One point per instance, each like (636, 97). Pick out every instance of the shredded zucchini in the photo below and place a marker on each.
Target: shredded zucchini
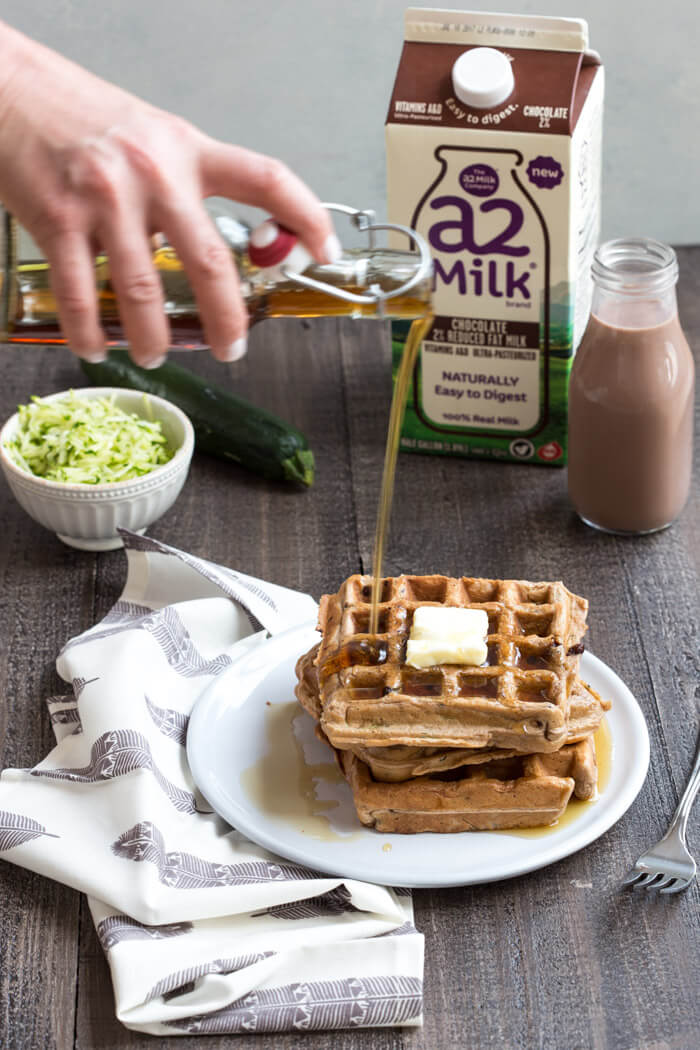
(87, 441)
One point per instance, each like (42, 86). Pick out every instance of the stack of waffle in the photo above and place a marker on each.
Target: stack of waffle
(455, 747)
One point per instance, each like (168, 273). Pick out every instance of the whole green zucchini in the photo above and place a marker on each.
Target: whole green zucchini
(224, 425)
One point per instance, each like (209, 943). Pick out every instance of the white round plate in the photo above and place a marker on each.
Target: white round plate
(255, 758)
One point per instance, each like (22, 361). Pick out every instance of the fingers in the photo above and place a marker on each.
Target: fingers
(73, 285)
(212, 274)
(138, 289)
(252, 178)
(119, 200)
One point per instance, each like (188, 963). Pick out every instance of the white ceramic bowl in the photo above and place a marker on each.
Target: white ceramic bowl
(88, 516)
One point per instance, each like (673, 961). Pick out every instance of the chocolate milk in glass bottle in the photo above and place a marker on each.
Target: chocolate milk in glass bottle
(631, 394)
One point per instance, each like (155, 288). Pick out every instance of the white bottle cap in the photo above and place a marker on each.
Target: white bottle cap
(482, 78)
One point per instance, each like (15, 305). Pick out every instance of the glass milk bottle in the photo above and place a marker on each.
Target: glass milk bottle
(631, 394)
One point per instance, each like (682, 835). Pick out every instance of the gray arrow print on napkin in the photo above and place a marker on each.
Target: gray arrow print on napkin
(400, 931)
(168, 631)
(334, 902)
(116, 928)
(115, 754)
(64, 716)
(226, 580)
(15, 830)
(349, 1003)
(180, 652)
(63, 712)
(123, 612)
(232, 585)
(185, 871)
(123, 616)
(169, 722)
(80, 683)
(183, 981)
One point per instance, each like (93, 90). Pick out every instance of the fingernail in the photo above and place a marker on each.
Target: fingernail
(236, 350)
(332, 249)
(155, 362)
(96, 357)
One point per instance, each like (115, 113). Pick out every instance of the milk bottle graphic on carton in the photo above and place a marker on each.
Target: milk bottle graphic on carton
(493, 154)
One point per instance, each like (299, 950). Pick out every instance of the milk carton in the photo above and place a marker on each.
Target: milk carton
(493, 142)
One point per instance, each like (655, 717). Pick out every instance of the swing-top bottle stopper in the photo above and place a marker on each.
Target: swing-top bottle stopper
(273, 247)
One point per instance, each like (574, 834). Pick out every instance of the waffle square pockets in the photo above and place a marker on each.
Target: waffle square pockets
(454, 747)
(519, 699)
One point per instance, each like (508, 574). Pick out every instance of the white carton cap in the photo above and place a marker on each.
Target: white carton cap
(482, 78)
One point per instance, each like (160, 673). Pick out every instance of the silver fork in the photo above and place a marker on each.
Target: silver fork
(668, 866)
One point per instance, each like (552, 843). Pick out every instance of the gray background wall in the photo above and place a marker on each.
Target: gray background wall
(310, 82)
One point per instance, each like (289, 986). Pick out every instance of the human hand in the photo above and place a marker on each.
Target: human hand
(86, 167)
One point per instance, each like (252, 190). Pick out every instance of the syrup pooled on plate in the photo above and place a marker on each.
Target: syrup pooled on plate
(576, 806)
(284, 785)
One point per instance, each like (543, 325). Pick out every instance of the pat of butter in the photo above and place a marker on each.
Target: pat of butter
(443, 635)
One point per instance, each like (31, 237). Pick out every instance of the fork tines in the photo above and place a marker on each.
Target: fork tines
(642, 878)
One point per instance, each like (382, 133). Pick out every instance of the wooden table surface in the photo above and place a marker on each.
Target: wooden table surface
(560, 959)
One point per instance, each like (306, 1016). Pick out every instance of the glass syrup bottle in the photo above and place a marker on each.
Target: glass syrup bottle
(278, 279)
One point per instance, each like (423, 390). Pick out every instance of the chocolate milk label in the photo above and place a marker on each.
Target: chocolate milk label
(507, 198)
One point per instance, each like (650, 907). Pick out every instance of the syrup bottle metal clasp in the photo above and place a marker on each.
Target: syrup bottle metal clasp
(375, 295)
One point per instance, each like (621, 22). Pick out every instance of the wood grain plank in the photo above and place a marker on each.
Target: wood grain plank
(45, 596)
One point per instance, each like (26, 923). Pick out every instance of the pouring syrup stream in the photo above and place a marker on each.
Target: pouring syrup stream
(418, 330)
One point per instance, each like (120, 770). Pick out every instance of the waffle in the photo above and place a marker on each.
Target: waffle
(398, 763)
(519, 700)
(306, 689)
(518, 792)
(401, 763)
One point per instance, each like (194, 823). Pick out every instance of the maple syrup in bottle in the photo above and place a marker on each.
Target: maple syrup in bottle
(278, 279)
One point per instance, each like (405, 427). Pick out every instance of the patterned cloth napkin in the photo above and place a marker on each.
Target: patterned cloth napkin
(204, 931)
